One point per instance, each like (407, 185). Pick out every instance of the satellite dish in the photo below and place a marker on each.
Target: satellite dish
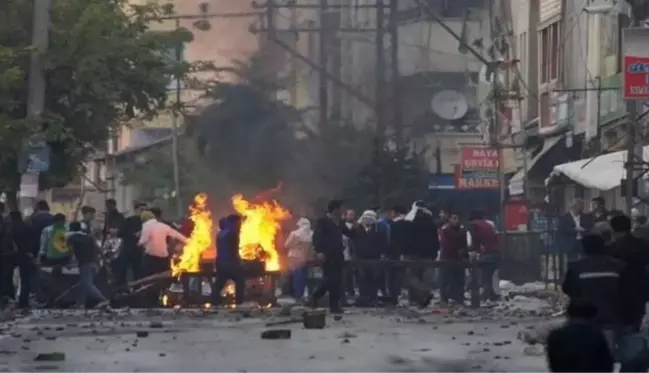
(449, 105)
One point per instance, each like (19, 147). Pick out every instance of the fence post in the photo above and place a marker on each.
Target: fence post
(474, 285)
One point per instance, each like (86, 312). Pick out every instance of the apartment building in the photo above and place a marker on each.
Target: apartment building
(571, 106)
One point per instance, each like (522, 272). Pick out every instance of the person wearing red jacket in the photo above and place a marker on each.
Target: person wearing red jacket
(453, 249)
(486, 246)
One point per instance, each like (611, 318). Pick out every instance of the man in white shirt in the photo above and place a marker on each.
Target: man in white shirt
(156, 250)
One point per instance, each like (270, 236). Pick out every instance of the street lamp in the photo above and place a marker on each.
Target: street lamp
(201, 23)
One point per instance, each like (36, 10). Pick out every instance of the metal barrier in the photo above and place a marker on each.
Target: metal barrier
(522, 256)
(473, 268)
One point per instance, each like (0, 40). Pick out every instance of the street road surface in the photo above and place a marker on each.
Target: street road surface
(199, 340)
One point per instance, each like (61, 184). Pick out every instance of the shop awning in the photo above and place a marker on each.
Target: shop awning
(516, 186)
(603, 172)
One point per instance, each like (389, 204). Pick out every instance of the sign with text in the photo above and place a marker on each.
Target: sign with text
(478, 169)
(635, 63)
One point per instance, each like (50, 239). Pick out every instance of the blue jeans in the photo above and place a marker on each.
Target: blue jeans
(300, 277)
(87, 286)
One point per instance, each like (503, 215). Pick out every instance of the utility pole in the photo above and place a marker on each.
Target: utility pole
(397, 107)
(323, 83)
(36, 83)
(633, 146)
(174, 133)
(379, 100)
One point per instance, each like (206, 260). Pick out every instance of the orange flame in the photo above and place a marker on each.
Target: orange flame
(259, 229)
(200, 239)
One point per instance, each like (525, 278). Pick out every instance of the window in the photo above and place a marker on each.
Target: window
(550, 53)
(545, 110)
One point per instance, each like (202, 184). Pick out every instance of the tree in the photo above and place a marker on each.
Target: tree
(246, 135)
(104, 67)
(152, 175)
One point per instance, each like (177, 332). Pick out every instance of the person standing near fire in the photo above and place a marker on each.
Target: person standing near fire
(130, 254)
(228, 259)
(454, 249)
(299, 246)
(328, 244)
(156, 252)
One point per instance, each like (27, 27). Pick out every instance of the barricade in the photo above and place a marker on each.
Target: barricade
(473, 268)
(522, 257)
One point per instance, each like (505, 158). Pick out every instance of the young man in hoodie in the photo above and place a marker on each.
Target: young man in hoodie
(228, 260)
(371, 243)
(86, 251)
(454, 250)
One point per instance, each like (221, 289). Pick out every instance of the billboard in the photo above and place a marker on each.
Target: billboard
(635, 63)
(478, 169)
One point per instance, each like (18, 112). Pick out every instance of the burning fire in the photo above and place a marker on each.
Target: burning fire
(200, 239)
(259, 229)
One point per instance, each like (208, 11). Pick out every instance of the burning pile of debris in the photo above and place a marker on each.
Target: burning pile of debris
(257, 246)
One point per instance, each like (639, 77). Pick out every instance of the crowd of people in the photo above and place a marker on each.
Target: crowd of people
(129, 247)
(396, 234)
(607, 281)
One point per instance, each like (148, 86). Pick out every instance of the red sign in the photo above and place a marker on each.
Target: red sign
(636, 78)
(480, 159)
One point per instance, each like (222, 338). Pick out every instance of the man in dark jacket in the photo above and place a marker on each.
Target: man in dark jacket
(228, 260)
(635, 290)
(130, 254)
(598, 209)
(86, 251)
(596, 279)
(484, 242)
(18, 241)
(112, 218)
(422, 244)
(572, 226)
(371, 243)
(399, 239)
(579, 345)
(454, 250)
(328, 244)
(39, 220)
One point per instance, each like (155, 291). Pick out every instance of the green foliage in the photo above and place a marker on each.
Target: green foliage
(104, 66)
(247, 135)
(152, 175)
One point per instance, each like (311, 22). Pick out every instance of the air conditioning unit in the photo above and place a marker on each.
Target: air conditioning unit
(607, 6)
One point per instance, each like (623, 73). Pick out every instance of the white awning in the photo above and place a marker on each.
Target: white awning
(603, 172)
(516, 187)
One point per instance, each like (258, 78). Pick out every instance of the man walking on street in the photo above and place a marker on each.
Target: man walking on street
(632, 346)
(86, 251)
(328, 244)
